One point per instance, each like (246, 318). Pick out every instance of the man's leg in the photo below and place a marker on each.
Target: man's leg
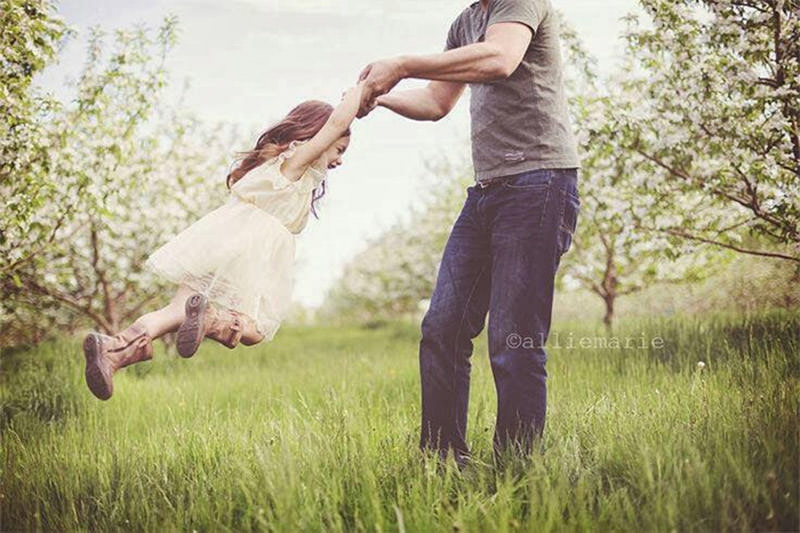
(456, 315)
(528, 217)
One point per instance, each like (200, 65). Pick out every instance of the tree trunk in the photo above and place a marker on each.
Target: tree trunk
(609, 317)
(609, 287)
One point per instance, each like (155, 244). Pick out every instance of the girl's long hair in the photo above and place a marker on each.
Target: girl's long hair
(302, 123)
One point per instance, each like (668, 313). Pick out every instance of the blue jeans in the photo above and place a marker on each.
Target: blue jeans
(501, 257)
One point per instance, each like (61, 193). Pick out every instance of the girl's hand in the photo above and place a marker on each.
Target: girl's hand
(354, 91)
(351, 99)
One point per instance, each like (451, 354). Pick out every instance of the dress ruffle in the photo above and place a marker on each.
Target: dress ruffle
(314, 175)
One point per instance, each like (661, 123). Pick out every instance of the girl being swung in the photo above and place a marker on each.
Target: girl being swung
(233, 267)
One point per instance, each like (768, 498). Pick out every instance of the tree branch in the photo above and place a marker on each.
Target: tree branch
(630, 290)
(590, 284)
(686, 177)
(19, 262)
(686, 235)
(752, 205)
(71, 302)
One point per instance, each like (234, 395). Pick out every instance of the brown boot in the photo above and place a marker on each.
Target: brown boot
(105, 355)
(225, 326)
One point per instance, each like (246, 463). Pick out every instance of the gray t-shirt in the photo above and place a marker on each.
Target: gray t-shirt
(520, 123)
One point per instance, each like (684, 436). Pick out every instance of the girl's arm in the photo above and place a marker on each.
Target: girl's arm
(338, 123)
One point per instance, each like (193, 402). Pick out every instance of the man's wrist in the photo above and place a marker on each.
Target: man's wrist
(402, 66)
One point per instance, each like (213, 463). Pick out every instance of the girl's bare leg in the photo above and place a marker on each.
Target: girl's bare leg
(105, 355)
(250, 334)
(169, 317)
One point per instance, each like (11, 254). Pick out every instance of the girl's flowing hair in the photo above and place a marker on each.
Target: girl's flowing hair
(302, 123)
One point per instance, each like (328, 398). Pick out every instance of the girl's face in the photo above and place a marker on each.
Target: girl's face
(333, 155)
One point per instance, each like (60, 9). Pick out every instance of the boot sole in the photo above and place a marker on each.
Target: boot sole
(97, 381)
(190, 333)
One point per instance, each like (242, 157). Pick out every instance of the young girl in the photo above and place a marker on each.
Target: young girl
(234, 266)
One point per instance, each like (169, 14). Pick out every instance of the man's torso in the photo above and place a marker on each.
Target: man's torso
(520, 123)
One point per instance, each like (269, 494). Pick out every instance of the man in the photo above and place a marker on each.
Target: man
(517, 221)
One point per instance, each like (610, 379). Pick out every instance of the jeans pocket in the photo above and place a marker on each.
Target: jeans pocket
(569, 219)
(536, 179)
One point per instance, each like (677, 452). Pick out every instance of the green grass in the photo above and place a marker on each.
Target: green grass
(318, 430)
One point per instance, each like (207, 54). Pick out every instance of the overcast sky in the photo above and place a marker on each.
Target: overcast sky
(250, 61)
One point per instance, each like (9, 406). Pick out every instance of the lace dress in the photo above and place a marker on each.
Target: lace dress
(241, 255)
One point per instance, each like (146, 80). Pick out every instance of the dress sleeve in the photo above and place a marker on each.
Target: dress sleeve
(252, 183)
(317, 172)
(313, 175)
(281, 181)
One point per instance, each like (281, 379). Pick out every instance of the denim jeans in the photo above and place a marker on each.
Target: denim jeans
(501, 257)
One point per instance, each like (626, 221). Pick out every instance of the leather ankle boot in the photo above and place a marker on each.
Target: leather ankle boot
(203, 319)
(105, 355)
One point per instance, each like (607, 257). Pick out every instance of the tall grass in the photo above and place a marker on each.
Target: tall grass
(318, 430)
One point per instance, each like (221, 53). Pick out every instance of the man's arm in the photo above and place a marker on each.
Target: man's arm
(497, 57)
(427, 103)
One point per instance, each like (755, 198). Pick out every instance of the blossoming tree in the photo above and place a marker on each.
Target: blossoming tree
(717, 114)
(115, 173)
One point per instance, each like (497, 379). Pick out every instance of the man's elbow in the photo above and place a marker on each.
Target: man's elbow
(493, 69)
(508, 68)
(438, 114)
(439, 107)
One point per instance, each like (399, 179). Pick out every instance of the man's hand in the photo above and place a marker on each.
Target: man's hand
(366, 108)
(379, 78)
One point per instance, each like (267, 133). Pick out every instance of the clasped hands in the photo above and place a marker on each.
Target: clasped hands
(379, 77)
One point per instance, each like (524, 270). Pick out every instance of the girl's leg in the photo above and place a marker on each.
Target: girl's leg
(105, 355)
(250, 333)
(168, 318)
(206, 320)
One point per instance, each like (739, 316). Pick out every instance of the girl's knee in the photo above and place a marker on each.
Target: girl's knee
(251, 341)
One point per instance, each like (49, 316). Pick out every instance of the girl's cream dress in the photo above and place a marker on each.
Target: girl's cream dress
(241, 255)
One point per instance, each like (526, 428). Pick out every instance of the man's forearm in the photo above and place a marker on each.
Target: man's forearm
(416, 104)
(474, 63)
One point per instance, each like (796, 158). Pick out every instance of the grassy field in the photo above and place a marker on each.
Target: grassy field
(318, 431)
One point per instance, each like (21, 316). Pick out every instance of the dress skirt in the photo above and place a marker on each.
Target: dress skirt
(239, 256)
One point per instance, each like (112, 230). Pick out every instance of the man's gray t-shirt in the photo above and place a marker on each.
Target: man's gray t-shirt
(520, 123)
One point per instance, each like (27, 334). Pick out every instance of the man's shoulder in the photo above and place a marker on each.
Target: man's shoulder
(473, 16)
(466, 13)
(541, 7)
(544, 4)
(463, 23)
